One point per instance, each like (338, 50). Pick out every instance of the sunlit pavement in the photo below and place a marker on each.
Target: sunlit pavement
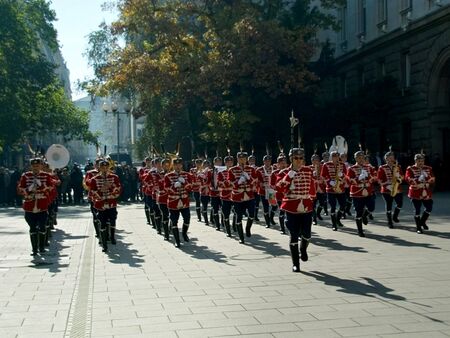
(394, 282)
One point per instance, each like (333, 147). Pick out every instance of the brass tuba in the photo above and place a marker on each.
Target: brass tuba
(394, 181)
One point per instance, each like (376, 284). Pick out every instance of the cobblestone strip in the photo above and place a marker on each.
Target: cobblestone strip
(80, 315)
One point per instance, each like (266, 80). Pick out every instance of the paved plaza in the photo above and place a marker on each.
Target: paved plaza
(393, 283)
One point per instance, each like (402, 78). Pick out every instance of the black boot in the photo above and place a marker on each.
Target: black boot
(325, 210)
(184, 232)
(256, 215)
(34, 243)
(147, 215)
(333, 222)
(283, 229)
(158, 225)
(234, 223)
(369, 215)
(199, 214)
(423, 220)
(97, 228)
(217, 222)
(41, 238)
(104, 235)
(227, 227)
(365, 220)
(338, 218)
(319, 216)
(205, 217)
(272, 218)
(166, 230)
(303, 246)
(153, 220)
(267, 219)
(47, 235)
(348, 207)
(248, 227)
(112, 236)
(395, 216)
(314, 217)
(359, 225)
(295, 257)
(389, 218)
(211, 215)
(418, 224)
(240, 231)
(176, 236)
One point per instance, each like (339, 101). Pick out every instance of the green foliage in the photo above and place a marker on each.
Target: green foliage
(32, 100)
(209, 62)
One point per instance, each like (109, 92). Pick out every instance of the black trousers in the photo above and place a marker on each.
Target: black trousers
(107, 216)
(36, 221)
(321, 199)
(226, 208)
(240, 208)
(299, 225)
(363, 202)
(215, 204)
(175, 215)
(333, 199)
(205, 201)
(389, 201)
(197, 199)
(428, 205)
(164, 211)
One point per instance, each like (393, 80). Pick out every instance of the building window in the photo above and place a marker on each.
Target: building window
(343, 31)
(362, 18)
(406, 70)
(382, 11)
(381, 69)
(406, 7)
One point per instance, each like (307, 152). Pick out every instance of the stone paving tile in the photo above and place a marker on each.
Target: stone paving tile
(322, 333)
(267, 328)
(366, 330)
(209, 332)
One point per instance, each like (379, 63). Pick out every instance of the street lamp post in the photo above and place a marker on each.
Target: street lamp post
(115, 110)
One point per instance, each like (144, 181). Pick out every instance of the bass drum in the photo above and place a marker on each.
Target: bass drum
(57, 156)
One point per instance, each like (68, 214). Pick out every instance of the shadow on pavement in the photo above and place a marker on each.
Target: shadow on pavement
(388, 238)
(121, 253)
(53, 260)
(261, 243)
(333, 244)
(355, 287)
(203, 252)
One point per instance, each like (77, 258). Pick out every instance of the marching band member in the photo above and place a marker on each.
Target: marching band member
(390, 177)
(334, 172)
(243, 178)
(86, 180)
(196, 182)
(419, 177)
(178, 185)
(53, 202)
(263, 189)
(321, 187)
(204, 189)
(146, 191)
(361, 179)
(212, 180)
(225, 189)
(155, 210)
(373, 173)
(298, 185)
(281, 165)
(252, 163)
(348, 199)
(34, 186)
(106, 189)
(161, 197)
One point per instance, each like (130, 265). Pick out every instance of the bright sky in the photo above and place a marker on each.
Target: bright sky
(76, 19)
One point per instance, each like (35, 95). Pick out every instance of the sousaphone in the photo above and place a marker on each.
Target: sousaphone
(57, 156)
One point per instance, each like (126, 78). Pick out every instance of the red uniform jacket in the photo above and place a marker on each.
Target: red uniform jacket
(195, 179)
(161, 196)
(105, 190)
(384, 174)
(273, 184)
(299, 191)
(178, 186)
(332, 174)
(225, 186)
(243, 187)
(361, 178)
(419, 180)
(87, 182)
(212, 181)
(263, 180)
(35, 189)
(321, 185)
(147, 183)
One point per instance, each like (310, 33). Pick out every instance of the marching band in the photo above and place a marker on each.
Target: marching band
(297, 192)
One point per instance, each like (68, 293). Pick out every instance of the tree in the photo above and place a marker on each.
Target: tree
(212, 62)
(32, 99)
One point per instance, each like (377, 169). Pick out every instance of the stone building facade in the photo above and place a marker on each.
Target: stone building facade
(409, 41)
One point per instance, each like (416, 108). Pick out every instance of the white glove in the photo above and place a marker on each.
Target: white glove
(38, 183)
(181, 179)
(397, 175)
(292, 173)
(422, 178)
(362, 177)
(31, 187)
(202, 176)
(241, 180)
(332, 183)
(245, 175)
(177, 184)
